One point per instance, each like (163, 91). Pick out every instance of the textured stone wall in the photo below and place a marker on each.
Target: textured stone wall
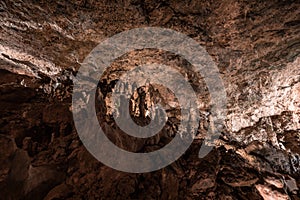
(256, 46)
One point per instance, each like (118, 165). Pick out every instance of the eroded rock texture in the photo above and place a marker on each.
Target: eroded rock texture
(256, 46)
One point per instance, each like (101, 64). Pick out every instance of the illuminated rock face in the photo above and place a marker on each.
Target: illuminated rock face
(256, 47)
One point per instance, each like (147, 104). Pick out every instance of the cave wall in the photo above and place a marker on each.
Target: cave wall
(256, 46)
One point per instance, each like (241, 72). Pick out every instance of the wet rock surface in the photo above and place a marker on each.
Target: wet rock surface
(256, 47)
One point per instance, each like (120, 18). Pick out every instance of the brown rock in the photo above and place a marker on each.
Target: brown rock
(268, 194)
(61, 191)
(203, 184)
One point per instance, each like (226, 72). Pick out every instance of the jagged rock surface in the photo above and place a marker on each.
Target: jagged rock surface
(256, 46)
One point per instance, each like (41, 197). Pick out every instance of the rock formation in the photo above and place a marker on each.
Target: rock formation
(256, 46)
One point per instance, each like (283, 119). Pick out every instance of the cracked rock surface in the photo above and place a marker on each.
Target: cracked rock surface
(256, 46)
